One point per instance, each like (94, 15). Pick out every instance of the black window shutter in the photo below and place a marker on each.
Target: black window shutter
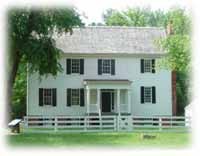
(40, 96)
(69, 97)
(82, 100)
(153, 94)
(68, 68)
(142, 94)
(99, 66)
(113, 100)
(153, 66)
(112, 67)
(54, 96)
(142, 65)
(81, 66)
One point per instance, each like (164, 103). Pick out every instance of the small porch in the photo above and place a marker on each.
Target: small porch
(108, 97)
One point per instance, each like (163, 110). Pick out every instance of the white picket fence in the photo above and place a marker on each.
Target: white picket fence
(106, 124)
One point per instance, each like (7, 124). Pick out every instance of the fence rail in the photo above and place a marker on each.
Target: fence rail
(107, 123)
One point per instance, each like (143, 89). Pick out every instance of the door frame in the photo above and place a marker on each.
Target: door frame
(108, 91)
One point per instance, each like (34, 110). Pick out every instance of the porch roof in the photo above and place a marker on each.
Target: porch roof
(108, 83)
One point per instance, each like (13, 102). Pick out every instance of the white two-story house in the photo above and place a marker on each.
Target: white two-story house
(106, 71)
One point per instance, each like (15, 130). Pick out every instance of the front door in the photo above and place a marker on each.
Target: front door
(106, 102)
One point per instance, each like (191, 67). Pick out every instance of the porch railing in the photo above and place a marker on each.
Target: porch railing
(94, 108)
(106, 123)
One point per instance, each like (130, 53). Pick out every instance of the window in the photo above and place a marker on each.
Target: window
(75, 65)
(147, 94)
(106, 66)
(147, 66)
(75, 97)
(47, 97)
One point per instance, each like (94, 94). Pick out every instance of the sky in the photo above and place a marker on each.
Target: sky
(93, 9)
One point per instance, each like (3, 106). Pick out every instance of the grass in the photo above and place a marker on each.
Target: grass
(163, 140)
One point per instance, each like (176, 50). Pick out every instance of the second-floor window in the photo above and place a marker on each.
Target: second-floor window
(106, 66)
(74, 66)
(147, 65)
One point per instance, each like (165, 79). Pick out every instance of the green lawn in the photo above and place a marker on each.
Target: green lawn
(164, 140)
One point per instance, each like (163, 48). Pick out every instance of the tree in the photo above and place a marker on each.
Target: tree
(177, 44)
(31, 40)
(134, 17)
(179, 54)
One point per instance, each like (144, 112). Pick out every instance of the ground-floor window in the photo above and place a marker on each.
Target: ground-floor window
(75, 97)
(148, 94)
(47, 96)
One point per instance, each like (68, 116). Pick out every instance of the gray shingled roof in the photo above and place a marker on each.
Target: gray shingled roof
(112, 40)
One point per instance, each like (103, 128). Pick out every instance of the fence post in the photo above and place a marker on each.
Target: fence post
(118, 123)
(160, 123)
(55, 124)
(129, 123)
(100, 122)
(26, 121)
(85, 123)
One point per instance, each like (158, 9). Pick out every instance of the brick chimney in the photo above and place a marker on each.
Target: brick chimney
(170, 28)
(174, 104)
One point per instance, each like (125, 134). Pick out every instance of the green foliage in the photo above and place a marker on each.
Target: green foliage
(31, 41)
(31, 36)
(134, 17)
(177, 45)
(19, 93)
(179, 53)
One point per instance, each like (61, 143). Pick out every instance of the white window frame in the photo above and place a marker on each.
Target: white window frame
(78, 97)
(47, 97)
(108, 66)
(147, 66)
(147, 94)
(77, 66)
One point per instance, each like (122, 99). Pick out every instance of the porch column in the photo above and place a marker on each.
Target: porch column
(118, 101)
(129, 100)
(88, 100)
(98, 101)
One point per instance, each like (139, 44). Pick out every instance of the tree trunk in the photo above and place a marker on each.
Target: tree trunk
(10, 82)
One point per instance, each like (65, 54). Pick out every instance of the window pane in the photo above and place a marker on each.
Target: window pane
(75, 65)
(147, 94)
(106, 66)
(75, 97)
(147, 66)
(47, 96)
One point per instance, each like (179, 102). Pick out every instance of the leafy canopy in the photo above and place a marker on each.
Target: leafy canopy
(31, 36)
